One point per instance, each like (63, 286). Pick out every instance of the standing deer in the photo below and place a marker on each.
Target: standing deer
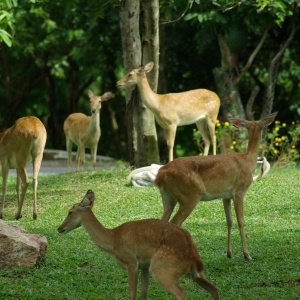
(171, 110)
(162, 248)
(84, 131)
(188, 180)
(22, 142)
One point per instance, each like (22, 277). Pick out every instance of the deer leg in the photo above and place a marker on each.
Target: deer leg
(145, 282)
(5, 170)
(36, 163)
(69, 145)
(94, 156)
(168, 203)
(132, 271)
(239, 210)
(228, 214)
(211, 129)
(200, 279)
(185, 209)
(166, 273)
(202, 127)
(24, 184)
(169, 134)
(82, 155)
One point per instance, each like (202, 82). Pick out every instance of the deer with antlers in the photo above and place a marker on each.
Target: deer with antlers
(22, 142)
(162, 248)
(188, 180)
(84, 131)
(199, 106)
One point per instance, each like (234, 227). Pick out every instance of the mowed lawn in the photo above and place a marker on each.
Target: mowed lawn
(75, 268)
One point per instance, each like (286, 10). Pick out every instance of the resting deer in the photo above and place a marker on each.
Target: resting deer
(162, 248)
(22, 142)
(171, 110)
(84, 131)
(188, 180)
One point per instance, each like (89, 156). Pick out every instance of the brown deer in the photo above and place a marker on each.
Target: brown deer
(22, 142)
(162, 248)
(188, 180)
(176, 109)
(84, 131)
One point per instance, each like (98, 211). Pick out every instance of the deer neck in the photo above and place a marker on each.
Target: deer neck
(101, 236)
(149, 98)
(95, 121)
(253, 145)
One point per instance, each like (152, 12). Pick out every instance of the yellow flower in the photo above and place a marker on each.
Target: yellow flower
(275, 151)
(282, 138)
(231, 147)
(226, 124)
(233, 142)
(293, 147)
(277, 128)
(283, 125)
(277, 122)
(277, 144)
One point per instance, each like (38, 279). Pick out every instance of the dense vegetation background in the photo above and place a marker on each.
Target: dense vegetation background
(55, 51)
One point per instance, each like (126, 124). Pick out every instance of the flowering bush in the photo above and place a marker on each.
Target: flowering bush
(281, 144)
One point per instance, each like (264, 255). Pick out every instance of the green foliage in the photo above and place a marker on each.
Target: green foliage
(75, 269)
(281, 144)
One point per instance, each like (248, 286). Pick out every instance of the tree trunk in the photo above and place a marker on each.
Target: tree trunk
(142, 138)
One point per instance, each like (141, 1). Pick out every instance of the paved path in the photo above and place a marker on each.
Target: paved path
(55, 162)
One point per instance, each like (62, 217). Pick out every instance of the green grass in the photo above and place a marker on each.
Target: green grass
(74, 268)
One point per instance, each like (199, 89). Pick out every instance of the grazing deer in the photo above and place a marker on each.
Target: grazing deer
(188, 180)
(171, 110)
(84, 131)
(162, 248)
(22, 142)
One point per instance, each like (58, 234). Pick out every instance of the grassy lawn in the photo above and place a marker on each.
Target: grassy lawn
(74, 268)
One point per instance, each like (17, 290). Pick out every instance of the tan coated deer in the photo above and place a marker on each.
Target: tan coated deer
(199, 106)
(188, 180)
(22, 142)
(84, 131)
(162, 248)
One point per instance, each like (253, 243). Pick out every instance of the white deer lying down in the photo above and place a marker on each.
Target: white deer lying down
(188, 180)
(162, 248)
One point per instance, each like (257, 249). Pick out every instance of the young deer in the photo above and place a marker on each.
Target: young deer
(171, 110)
(189, 180)
(84, 131)
(162, 248)
(22, 142)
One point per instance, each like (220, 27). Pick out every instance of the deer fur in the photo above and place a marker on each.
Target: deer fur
(19, 144)
(162, 248)
(84, 131)
(188, 180)
(199, 106)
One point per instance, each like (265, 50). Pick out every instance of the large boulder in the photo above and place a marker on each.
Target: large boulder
(19, 248)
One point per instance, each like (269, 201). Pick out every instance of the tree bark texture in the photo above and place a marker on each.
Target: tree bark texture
(142, 137)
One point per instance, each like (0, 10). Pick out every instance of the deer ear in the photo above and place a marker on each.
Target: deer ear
(88, 199)
(90, 94)
(148, 67)
(267, 120)
(106, 96)
(238, 122)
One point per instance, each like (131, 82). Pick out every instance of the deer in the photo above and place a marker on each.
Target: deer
(200, 106)
(19, 144)
(189, 180)
(84, 131)
(150, 245)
